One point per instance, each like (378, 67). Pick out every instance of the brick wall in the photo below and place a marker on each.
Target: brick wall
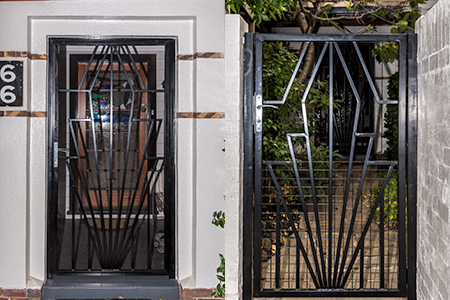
(197, 294)
(20, 294)
(433, 278)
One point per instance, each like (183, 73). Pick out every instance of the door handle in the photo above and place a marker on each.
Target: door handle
(56, 150)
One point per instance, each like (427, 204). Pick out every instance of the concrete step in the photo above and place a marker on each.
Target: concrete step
(111, 286)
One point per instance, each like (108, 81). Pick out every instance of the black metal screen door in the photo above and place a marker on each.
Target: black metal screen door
(325, 224)
(111, 205)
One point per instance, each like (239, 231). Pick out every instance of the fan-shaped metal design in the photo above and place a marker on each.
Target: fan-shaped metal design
(330, 226)
(115, 210)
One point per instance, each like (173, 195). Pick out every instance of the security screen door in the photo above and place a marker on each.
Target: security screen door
(111, 156)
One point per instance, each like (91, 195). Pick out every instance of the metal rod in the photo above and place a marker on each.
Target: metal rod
(126, 245)
(135, 67)
(366, 227)
(308, 148)
(131, 204)
(280, 198)
(293, 77)
(278, 246)
(97, 65)
(382, 239)
(305, 210)
(369, 78)
(111, 138)
(357, 201)
(91, 107)
(402, 134)
(350, 165)
(361, 267)
(258, 173)
(88, 66)
(327, 37)
(247, 209)
(412, 167)
(97, 244)
(330, 158)
(120, 195)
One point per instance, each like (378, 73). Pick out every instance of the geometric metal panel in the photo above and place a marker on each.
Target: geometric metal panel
(111, 200)
(334, 227)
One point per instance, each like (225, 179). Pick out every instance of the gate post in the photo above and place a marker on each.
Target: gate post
(247, 214)
(412, 167)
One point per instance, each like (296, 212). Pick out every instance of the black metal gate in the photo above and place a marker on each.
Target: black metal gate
(324, 224)
(111, 156)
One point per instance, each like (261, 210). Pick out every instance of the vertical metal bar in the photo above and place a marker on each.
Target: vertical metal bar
(367, 226)
(128, 243)
(120, 195)
(169, 158)
(322, 279)
(402, 105)
(52, 188)
(305, 210)
(247, 210)
(278, 246)
(356, 205)
(258, 171)
(281, 199)
(87, 67)
(136, 188)
(149, 244)
(102, 251)
(297, 268)
(97, 241)
(350, 166)
(111, 137)
(330, 167)
(90, 251)
(94, 142)
(382, 239)
(72, 200)
(361, 267)
(135, 67)
(412, 166)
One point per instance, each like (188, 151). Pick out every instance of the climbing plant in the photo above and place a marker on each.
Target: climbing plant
(219, 221)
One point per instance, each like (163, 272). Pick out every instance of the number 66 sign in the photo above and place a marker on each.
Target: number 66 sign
(11, 83)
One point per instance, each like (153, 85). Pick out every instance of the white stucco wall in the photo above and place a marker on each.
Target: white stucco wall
(208, 179)
(235, 27)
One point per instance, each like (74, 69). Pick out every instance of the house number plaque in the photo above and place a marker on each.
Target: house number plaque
(11, 83)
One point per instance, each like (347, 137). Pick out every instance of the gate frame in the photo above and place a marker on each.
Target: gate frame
(407, 137)
(169, 44)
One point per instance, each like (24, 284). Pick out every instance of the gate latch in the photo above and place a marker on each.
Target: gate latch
(259, 113)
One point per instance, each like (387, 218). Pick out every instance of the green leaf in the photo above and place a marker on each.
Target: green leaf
(402, 24)
(394, 30)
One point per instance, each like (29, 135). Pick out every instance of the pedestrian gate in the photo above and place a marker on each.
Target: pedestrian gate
(325, 220)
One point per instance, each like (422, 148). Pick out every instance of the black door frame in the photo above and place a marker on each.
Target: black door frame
(407, 136)
(169, 140)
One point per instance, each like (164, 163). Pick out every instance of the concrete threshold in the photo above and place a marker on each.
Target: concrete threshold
(111, 286)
